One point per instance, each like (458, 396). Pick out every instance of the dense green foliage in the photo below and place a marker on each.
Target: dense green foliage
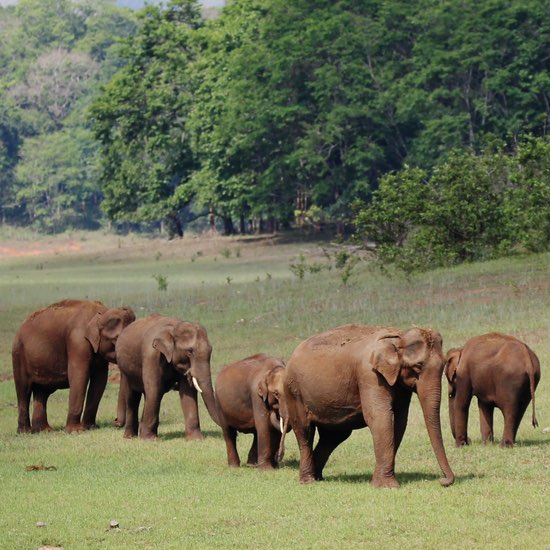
(140, 118)
(279, 112)
(53, 55)
(470, 207)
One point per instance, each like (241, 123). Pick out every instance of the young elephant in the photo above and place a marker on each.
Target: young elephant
(157, 354)
(250, 397)
(68, 344)
(356, 375)
(501, 371)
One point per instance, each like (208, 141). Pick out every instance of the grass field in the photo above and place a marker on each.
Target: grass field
(176, 494)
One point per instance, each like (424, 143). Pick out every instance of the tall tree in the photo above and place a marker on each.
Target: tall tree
(140, 118)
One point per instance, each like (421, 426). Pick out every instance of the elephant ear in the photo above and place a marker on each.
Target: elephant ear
(164, 343)
(386, 359)
(110, 325)
(262, 389)
(453, 358)
(186, 335)
(414, 346)
(93, 332)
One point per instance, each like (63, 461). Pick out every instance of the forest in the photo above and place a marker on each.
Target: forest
(417, 127)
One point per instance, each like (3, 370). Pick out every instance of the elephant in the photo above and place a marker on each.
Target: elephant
(68, 344)
(156, 354)
(355, 376)
(501, 371)
(250, 399)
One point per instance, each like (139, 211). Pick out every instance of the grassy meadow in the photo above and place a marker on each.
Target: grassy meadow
(176, 494)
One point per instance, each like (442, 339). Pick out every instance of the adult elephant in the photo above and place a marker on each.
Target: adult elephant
(355, 376)
(501, 371)
(68, 344)
(250, 397)
(156, 354)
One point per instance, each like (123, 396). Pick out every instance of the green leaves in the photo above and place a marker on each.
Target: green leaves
(471, 207)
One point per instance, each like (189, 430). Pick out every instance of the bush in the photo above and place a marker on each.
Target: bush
(472, 207)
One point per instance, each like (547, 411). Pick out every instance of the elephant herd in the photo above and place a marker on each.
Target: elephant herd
(333, 383)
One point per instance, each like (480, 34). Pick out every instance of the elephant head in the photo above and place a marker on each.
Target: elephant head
(414, 359)
(453, 358)
(105, 327)
(271, 390)
(186, 347)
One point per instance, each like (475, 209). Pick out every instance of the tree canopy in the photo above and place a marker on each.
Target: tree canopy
(278, 112)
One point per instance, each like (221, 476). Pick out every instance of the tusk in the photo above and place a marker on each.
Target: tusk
(196, 384)
(281, 424)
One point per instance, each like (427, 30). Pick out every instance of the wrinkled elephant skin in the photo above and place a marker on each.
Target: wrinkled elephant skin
(250, 399)
(68, 344)
(157, 354)
(355, 376)
(501, 371)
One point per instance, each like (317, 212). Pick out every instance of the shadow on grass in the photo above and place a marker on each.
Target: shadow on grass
(179, 435)
(404, 478)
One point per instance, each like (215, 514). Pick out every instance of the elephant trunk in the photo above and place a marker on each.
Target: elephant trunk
(207, 391)
(429, 394)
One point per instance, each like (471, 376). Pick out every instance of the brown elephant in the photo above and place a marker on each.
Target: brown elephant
(250, 397)
(355, 376)
(68, 344)
(501, 371)
(156, 354)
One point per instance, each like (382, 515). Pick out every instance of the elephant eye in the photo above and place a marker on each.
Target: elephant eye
(189, 351)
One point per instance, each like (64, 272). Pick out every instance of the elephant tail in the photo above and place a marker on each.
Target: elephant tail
(532, 385)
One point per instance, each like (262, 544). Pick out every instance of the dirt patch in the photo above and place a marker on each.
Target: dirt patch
(22, 249)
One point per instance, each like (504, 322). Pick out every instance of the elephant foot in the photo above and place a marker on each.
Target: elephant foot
(506, 444)
(24, 430)
(306, 480)
(74, 428)
(148, 436)
(385, 482)
(266, 466)
(41, 428)
(463, 442)
(93, 426)
(195, 435)
(118, 423)
(129, 435)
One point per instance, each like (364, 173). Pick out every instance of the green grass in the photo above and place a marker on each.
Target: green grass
(177, 494)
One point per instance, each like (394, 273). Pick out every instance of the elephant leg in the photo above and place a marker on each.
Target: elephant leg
(79, 374)
(39, 409)
(252, 459)
(24, 393)
(486, 411)
(328, 441)
(190, 409)
(148, 428)
(131, 414)
(512, 419)
(378, 415)
(400, 417)
(304, 432)
(96, 387)
(461, 410)
(267, 437)
(123, 390)
(230, 437)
